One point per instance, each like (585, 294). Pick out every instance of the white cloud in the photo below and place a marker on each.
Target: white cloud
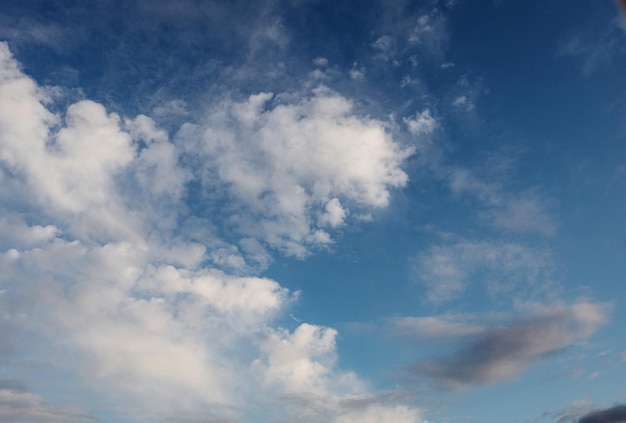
(423, 123)
(109, 272)
(357, 73)
(334, 215)
(380, 413)
(462, 102)
(385, 48)
(24, 407)
(320, 61)
(524, 212)
(290, 164)
(300, 361)
(431, 32)
(70, 170)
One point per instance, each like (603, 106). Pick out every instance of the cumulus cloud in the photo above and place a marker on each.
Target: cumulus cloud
(299, 360)
(104, 264)
(422, 124)
(495, 354)
(291, 163)
(69, 169)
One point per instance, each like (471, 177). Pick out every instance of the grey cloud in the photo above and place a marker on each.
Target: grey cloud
(505, 352)
(615, 414)
(435, 327)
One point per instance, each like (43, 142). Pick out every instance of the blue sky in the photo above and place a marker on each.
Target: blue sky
(312, 211)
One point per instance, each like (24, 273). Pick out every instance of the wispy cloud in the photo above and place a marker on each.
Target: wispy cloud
(445, 270)
(524, 212)
(596, 49)
(23, 407)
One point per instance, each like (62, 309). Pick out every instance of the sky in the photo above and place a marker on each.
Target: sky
(312, 211)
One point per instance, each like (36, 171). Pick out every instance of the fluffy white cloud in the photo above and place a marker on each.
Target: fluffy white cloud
(334, 215)
(69, 169)
(108, 271)
(291, 163)
(300, 361)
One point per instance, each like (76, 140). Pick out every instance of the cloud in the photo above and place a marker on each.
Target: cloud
(431, 33)
(435, 327)
(378, 413)
(298, 360)
(69, 168)
(289, 163)
(380, 407)
(110, 259)
(525, 212)
(501, 353)
(445, 270)
(25, 30)
(596, 49)
(23, 407)
(615, 414)
(422, 124)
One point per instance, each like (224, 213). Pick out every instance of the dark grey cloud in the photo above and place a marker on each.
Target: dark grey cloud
(501, 353)
(615, 414)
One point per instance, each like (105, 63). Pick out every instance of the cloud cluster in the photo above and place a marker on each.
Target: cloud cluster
(295, 167)
(98, 263)
(492, 354)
